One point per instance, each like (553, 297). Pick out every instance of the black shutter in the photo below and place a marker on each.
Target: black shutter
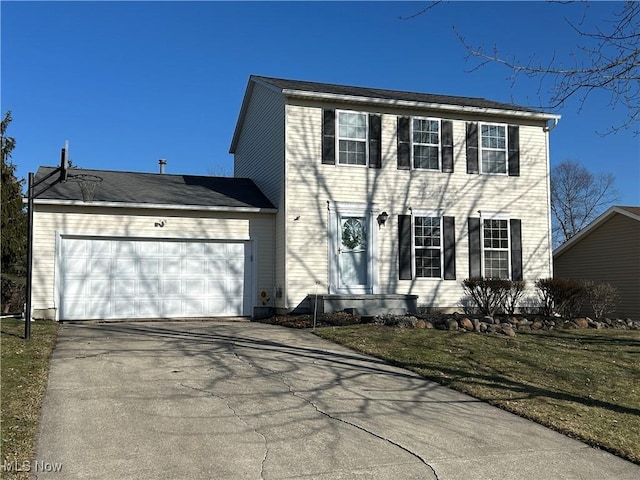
(404, 247)
(449, 245)
(513, 139)
(404, 143)
(472, 147)
(375, 151)
(447, 146)
(329, 137)
(516, 249)
(475, 257)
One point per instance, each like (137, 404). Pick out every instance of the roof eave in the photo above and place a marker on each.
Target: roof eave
(418, 105)
(154, 206)
(592, 226)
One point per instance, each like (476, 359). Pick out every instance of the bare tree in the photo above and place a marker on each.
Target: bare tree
(606, 58)
(577, 197)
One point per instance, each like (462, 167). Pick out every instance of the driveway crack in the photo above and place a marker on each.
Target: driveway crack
(360, 427)
(239, 417)
(337, 419)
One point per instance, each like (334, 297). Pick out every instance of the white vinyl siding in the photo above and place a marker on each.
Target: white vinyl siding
(310, 185)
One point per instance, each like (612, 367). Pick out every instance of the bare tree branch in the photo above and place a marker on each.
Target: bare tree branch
(577, 197)
(607, 60)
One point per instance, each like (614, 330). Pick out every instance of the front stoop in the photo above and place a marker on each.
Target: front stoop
(363, 304)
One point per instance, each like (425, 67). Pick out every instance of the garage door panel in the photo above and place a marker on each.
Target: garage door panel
(194, 266)
(99, 287)
(171, 286)
(100, 266)
(124, 286)
(125, 266)
(99, 309)
(150, 266)
(123, 278)
(75, 266)
(75, 247)
(124, 308)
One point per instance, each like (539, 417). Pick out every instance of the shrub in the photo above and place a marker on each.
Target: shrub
(13, 290)
(603, 298)
(487, 294)
(512, 296)
(560, 295)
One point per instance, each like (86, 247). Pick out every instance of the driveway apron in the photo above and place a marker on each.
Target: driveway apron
(240, 400)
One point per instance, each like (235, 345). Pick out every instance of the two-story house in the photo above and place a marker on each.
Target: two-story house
(361, 198)
(390, 198)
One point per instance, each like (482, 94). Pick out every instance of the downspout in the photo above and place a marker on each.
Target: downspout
(547, 129)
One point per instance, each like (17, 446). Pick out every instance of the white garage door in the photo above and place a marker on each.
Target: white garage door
(123, 278)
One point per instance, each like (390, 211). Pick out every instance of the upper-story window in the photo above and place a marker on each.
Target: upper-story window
(493, 148)
(352, 138)
(426, 143)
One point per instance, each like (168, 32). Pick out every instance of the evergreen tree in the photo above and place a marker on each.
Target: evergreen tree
(14, 226)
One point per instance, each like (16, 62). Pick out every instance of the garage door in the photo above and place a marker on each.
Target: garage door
(123, 278)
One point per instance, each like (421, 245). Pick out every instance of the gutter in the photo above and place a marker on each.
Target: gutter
(155, 206)
(420, 105)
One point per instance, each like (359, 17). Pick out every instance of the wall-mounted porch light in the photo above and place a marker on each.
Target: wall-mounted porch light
(382, 218)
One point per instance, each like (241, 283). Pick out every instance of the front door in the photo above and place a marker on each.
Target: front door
(352, 248)
(353, 253)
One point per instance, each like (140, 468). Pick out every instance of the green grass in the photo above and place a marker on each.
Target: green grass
(23, 379)
(583, 383)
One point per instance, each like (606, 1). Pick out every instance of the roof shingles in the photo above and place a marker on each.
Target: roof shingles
(159, 189)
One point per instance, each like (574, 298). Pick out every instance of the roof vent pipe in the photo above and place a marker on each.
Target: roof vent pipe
(162, 163)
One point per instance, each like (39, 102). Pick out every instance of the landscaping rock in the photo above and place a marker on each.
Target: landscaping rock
(466, 324)
(581, 322)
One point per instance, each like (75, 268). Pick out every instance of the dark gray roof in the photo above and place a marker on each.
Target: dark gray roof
(389, 94)
(158, 189)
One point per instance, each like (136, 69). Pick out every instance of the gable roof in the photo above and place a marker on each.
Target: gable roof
(153, 190)
(631, 212)
(367, 95)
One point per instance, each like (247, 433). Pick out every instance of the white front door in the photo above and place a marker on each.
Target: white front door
(352, 265)
(353, 258)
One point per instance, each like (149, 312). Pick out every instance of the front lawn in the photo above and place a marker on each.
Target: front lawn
(23, 373)
(583, 383)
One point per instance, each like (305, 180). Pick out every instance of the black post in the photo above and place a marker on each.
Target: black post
(27, 313)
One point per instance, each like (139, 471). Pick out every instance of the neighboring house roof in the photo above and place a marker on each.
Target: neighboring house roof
(156, 189)
(328, 91)
(631, 212)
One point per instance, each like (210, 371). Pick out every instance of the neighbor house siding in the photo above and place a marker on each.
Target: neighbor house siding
(259, 155)
(312, 184)
(53, 221)
(610, 253)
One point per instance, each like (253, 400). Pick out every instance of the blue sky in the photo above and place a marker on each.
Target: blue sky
(127, 83)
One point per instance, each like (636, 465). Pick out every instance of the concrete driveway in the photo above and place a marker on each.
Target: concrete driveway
(239, 400)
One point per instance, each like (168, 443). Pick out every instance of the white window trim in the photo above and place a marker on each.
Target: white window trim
(506, 148)
(494, 216)
(338, 138)
(425, 213)
(413, 167)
